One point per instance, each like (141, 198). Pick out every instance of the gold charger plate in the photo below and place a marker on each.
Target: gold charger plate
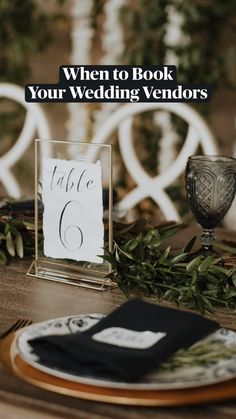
(198, 395)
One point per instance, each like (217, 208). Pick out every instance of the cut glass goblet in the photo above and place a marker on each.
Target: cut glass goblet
(210, 186)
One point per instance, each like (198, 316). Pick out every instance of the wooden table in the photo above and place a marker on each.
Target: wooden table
(39, 300)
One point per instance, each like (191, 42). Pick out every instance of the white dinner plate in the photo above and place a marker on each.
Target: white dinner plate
(212, 372)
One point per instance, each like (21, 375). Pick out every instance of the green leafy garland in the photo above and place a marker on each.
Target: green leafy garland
(141, 263)
(16, 233)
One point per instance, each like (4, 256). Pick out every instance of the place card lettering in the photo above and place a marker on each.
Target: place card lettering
(127, 338)
(73, 210)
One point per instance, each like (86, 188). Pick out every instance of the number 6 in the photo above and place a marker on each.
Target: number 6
(71, 236)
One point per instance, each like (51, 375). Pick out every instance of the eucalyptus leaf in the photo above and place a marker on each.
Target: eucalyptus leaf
(193, 263)
(128, 255)
(167, 232)
(132, 244)
(200, 303)
(29, 226)
(205, 264)
(178, 258)
(234, 278)
(19, 245)
(3, 257)
(226, 248)
(190, 245)
(10, 245)
(164, 256)
(194, 277)
(218, 270)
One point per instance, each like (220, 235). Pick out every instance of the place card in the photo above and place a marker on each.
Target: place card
(126, 338)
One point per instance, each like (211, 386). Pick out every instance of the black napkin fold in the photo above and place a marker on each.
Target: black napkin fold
(85, 354)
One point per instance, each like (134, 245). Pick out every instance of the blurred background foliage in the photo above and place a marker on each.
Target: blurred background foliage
(209, 26)
(25, 29)
(19, 23)
(208, 56)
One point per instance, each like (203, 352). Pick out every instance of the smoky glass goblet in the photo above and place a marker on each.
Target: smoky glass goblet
(210, 186)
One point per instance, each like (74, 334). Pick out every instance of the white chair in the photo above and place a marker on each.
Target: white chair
(35, 121)
(198, 134)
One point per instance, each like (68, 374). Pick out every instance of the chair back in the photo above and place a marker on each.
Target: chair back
(198, 134)
(35, 121)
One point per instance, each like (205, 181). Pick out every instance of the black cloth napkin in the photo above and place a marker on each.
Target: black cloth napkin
(106, 353)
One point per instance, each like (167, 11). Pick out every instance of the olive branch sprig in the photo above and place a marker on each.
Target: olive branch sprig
(143, 264)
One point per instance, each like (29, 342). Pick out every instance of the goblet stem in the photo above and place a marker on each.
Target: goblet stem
(207, 239)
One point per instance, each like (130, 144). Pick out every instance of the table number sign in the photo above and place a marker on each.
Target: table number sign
(73, 210)
(72, 227)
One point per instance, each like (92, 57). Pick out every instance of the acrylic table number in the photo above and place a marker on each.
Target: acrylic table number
(73, 210)
(69, 216)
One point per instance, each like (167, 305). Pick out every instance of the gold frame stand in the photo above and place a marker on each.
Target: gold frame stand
(70, 275)
(73, 273)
